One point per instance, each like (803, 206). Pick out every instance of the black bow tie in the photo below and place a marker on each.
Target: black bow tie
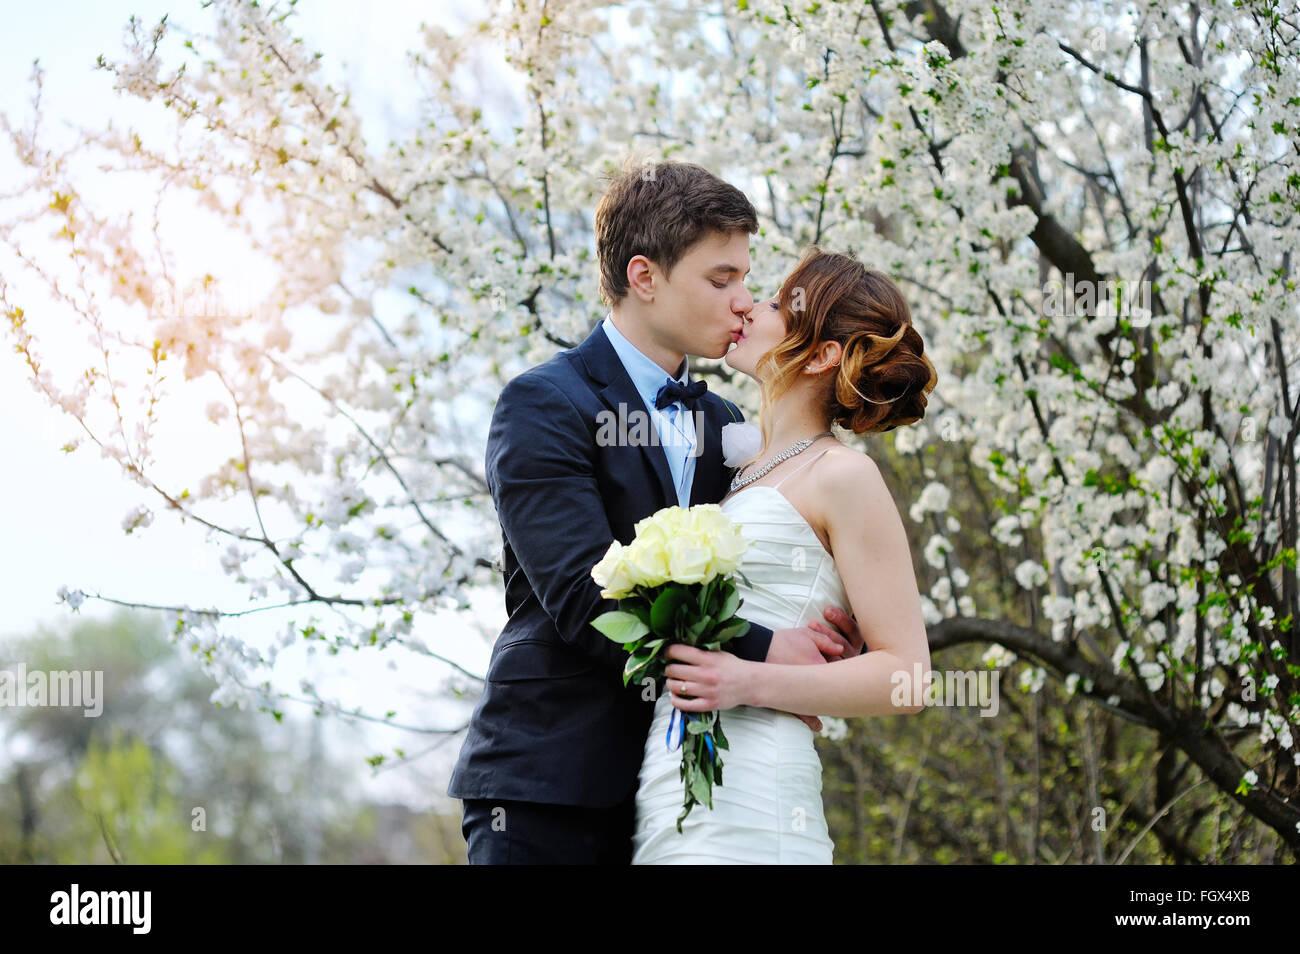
(688, 394)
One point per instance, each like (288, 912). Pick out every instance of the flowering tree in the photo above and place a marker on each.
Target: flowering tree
(1093, 206)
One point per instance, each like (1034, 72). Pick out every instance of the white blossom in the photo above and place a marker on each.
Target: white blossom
(834, 728)
(1030, 574)
(1031, 680)
(137, 517)
(74, 598)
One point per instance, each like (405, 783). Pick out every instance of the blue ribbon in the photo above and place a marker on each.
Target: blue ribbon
(681, 732)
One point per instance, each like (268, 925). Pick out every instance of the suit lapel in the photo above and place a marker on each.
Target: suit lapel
(710, 473)
(604, 367)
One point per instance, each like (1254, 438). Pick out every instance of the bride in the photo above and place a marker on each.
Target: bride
(835, 346)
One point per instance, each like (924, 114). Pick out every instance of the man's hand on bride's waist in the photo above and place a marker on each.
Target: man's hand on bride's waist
(842, 629)
(818, 642)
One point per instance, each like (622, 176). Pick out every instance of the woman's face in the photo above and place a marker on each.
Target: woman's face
(763, 330)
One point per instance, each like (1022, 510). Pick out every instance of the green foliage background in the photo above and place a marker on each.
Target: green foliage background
(163, 776)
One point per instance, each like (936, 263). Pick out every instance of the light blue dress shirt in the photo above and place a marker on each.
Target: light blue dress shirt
(674, 424)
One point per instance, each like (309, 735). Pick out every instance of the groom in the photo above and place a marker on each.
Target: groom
(548, 770)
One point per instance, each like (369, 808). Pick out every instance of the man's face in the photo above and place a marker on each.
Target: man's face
(700, 310)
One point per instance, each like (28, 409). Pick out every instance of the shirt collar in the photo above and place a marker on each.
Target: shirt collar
(647, 376)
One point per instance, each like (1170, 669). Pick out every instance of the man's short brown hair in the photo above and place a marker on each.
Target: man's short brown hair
(659, 210)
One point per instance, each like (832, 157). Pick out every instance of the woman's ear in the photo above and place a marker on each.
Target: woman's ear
(826, 357)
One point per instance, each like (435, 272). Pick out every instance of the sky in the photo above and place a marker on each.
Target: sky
(62, 514)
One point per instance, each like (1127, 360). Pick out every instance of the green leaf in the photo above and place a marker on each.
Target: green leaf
(633, 669)
(640, 660)
(646, 652)
(664, 611)
(702, 791)
(620, 627)
(641, 611)
(730, 603)
(706, 594)
(731, 631)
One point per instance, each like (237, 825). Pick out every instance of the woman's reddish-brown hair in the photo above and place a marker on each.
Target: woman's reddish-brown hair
(883, 378)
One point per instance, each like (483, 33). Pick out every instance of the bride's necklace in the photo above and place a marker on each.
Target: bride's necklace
(795, 448)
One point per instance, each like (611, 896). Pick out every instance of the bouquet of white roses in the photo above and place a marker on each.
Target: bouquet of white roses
(673, 585)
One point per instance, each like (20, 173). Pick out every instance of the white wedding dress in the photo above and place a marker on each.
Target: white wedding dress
(769, 808)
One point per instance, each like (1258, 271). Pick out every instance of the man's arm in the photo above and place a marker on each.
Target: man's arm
(542, 478)
(753, 645)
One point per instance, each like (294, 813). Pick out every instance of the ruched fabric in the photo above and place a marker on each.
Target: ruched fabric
(769, 808)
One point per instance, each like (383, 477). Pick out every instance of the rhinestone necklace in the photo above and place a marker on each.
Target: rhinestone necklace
(795, 448)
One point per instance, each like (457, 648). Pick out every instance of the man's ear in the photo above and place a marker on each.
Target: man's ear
(826, 357)
(641, 278)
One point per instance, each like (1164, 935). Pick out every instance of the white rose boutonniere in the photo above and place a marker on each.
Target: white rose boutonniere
(741, 442)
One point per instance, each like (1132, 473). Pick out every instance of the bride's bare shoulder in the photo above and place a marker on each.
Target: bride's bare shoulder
(846, 466)
(848, 479)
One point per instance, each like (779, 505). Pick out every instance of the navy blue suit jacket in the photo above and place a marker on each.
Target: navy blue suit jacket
(555, 723)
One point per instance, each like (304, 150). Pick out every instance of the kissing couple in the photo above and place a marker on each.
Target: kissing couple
(562, 763)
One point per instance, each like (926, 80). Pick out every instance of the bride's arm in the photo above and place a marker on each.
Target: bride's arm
(873, 559)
